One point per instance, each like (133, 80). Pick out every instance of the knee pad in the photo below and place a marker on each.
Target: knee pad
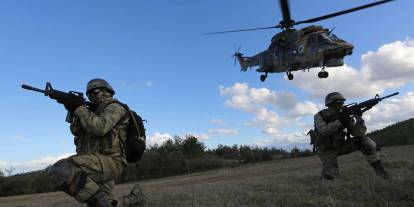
(60, 172)
(76, 184)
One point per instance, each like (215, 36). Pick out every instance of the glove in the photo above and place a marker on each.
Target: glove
(71, 104)
(92, 106)
(345, 119)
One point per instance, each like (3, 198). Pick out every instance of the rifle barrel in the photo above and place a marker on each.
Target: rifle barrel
(394, 94)
(27, 87)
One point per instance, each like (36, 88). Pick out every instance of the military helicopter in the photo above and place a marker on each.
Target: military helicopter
(292, 50)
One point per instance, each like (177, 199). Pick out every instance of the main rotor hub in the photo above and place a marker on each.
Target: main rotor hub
(286, 24)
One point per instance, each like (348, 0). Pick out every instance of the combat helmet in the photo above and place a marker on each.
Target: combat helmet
(99, 83)
(334, 97)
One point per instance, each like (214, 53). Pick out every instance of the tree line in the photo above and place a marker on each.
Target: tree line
(176, 156)
(401, 133)
(179, 155)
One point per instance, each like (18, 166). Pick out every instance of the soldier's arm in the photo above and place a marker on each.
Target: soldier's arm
(75, 127)
(326, 129)
(358, 129)
(100, 124)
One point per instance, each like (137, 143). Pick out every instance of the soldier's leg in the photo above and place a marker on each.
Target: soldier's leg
(70, 178)
(108, 189)
(369, 149)
(329, 159)
(87, 172)
(103, 170)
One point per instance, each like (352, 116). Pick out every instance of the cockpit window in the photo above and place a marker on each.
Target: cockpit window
(333, 37)
(324, 38)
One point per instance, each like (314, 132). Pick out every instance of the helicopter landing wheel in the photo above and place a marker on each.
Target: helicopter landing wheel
(263, 77)
(320, 74)
(290, 76)
(323, 74)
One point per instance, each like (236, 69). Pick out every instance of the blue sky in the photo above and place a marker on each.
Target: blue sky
(154, 54)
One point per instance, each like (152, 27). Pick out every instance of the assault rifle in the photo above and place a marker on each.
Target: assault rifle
(350, 110)
(357, 109)
(61, 97)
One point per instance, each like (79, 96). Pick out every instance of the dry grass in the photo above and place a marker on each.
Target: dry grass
(293, 182)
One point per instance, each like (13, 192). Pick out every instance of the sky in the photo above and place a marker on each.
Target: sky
(157, 59)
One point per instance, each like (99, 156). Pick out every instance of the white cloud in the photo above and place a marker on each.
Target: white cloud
(32, 165)
(268, 120)
(3, 164)
(272, 110)
(305, 108)
(217, 121)
(397, 108)
(222, 132)
(283, 138)
(158, 138)
(391, 66)
(200, 137)
(392, 62)
(245, 98)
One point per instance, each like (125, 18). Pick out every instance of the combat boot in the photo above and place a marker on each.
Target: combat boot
(379, 169)
(135, 198)
(100, 199)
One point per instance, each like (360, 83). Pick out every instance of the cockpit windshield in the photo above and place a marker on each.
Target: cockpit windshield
(324, 38)
(333, 37)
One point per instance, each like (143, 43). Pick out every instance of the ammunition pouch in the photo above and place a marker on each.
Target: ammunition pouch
(324, 143)
(314, 139)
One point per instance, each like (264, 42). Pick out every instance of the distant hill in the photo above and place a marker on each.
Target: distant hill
(400, 133)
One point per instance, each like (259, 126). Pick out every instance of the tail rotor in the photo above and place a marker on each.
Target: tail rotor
(237, 54)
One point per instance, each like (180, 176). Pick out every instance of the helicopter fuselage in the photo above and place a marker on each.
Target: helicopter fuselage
(293, 50)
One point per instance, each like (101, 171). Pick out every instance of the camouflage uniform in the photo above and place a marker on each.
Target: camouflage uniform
(99, 140)
(100, 158)
(332, 142)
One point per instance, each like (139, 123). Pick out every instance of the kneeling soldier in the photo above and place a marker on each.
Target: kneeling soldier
(330, 125)
(100, 134)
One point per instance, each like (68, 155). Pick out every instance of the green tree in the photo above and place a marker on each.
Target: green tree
(192, 148)
(295, 152)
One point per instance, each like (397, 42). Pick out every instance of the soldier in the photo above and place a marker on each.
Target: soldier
(330, 125)
(100, 134)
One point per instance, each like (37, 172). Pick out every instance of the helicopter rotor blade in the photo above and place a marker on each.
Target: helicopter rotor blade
(242, 30)
(284, 6)
(342, 12)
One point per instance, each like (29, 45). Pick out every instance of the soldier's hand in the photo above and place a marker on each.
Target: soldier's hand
(72, 104)
(345, 119)
(92, 106)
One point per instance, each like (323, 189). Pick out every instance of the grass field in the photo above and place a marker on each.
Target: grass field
(289, 182)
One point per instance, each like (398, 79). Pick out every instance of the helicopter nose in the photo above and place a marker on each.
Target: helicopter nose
(347, 48)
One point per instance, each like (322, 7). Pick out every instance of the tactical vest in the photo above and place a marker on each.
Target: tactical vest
(112, 143)
(334, 141)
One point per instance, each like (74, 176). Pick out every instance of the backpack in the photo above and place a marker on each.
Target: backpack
(135, 141)
(313, 133)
